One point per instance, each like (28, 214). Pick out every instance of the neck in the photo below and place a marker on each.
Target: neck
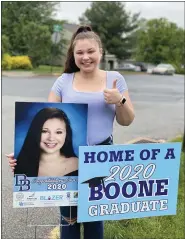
(89, 75)
(45, 157)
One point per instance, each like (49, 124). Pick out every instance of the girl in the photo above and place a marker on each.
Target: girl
(107, 96)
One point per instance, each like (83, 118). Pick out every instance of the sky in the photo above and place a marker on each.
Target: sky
(173, 11)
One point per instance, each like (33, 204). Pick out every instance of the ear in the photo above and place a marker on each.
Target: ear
(101, 51)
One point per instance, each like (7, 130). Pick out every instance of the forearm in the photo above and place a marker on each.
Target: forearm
(125, 114)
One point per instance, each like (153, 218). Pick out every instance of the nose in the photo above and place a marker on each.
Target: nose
(85, 56)
(50, 137)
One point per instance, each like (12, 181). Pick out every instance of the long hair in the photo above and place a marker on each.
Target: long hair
(29, 156)
(83, 32)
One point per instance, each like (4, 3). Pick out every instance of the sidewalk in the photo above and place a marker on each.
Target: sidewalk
(27, 74)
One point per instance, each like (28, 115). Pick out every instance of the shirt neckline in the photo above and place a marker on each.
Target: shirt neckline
(87, 92)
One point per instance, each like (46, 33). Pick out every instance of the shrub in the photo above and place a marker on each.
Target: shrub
(6, 62)
(16, 62)
(21, 62)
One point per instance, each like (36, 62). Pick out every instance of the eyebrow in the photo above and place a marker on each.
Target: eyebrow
(56, 129)
(87, 49)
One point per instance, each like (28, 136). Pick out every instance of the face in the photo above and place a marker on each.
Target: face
(87, 54)
(53, 135)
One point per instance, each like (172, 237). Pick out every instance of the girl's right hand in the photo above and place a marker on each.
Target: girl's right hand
(12, 161)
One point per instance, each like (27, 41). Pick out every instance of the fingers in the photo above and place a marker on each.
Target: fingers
(114, 84)
(70, 220)
(107, 91)
(107, 97)
(107, 100)
(12, 162)
(10, 155)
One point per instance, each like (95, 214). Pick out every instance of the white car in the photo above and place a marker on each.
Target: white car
(150, 67)
(127, 67)
(164, 69)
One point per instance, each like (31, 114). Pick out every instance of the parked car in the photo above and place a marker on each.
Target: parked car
(142, 66)
(164, 69)
(150, 68)
(127, 67)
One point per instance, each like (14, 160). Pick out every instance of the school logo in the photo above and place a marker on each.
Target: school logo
(21, 204)
(32, 197)
(75, 195)
(68, 195)
(22, 182)
(19, 196)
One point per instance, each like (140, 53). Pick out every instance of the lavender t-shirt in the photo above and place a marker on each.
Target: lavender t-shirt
(100, 114)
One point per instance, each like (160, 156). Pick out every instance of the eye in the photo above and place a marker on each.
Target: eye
(91, 52)
(44, 131)
(59, 132)
(79, 53)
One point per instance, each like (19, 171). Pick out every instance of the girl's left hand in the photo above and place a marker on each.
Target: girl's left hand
(112, 96)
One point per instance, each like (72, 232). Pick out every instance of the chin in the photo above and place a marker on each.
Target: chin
(90, 69)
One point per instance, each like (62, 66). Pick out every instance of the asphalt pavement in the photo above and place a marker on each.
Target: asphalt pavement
(159, 110)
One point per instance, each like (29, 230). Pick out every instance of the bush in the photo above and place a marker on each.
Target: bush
(180, 71)
(21, 62)
(6, 62)
(16, 62)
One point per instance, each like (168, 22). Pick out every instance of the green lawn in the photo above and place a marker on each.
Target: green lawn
(46, 69)
(163, 227)
(132, 72)
(43, 69)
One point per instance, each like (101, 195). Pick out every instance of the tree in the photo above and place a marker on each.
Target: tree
(5, 44)
(160, 41)
(28, 28)
(113, 24)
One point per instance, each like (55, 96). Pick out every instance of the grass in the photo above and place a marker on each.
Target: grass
(163, 227)
(44, 69)
(132, 72)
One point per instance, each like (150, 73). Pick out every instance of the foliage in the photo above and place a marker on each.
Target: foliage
(37, 42)
(163, 227)
(160, 41)
(6, 62)
(21, 62)
(113, 24)
(5, 44)
(44, 69)
(28, 27)
(16, 62)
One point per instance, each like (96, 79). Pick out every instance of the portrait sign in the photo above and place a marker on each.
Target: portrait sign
(128, 181)
(47, 140)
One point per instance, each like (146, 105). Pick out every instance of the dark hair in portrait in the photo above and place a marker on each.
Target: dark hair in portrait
(28, 158)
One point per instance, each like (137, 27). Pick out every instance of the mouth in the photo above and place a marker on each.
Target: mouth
(87, 64)
(50, 145)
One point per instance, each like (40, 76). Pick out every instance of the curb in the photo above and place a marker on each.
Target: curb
(143, 140)
(26, 74)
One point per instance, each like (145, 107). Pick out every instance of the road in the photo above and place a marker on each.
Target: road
(159, 109)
